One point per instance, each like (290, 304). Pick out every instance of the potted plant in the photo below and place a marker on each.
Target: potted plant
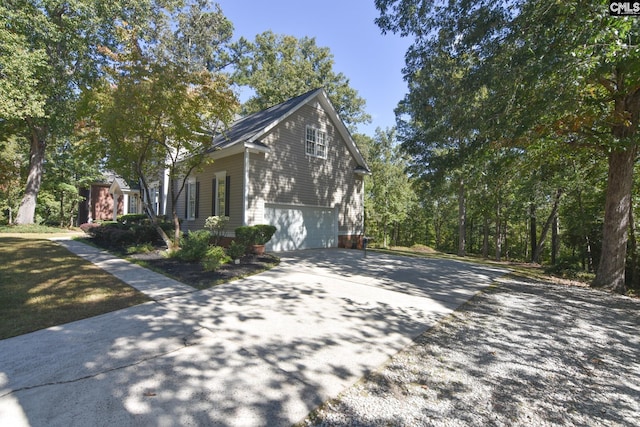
(255, 237)
(262, 234)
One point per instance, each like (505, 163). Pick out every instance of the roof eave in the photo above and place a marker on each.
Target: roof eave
(342, 129)
(362, 171)
(282, 118)
(239, 147)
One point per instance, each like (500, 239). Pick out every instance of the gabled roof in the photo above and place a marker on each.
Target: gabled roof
(249, 129)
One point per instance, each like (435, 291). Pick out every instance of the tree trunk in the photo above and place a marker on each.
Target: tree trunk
(533, 231)
(485, 238)
(633, 249)
(61, 217)
(611, 269)
(27, 210)
(587, 239)
(498, 236)
(545, 229)
(147, 206)
(555, 241)
(462, 216)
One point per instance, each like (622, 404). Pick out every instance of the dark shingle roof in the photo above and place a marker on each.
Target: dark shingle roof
(249, 126)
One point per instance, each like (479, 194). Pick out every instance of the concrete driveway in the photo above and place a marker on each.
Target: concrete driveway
(262, 351)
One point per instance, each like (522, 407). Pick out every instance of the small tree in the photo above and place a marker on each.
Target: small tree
(152, 115)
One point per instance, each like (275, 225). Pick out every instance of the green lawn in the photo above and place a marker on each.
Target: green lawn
(42, 285)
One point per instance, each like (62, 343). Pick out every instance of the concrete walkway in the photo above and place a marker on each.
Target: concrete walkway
(261, 351)
(156, 286)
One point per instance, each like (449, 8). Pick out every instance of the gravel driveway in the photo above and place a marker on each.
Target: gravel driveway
(520, 353)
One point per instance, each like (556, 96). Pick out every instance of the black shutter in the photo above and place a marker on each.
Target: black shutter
(227, 195)
(213, 197)
(197, 199)
(186, 202)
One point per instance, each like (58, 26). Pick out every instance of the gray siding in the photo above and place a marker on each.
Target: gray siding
(287, 175)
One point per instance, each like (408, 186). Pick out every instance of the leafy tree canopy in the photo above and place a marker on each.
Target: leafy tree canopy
(154, 112)
(279, 67)
(564, 73)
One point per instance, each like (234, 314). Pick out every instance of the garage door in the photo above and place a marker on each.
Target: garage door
(301, 227)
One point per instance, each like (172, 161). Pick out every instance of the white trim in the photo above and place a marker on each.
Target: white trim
(165, 192)
(245, 186)
(342, 129)
(220, 176)
(362, 230)
(298, 205)
(316, 133)
(238, 149)
(191, 214)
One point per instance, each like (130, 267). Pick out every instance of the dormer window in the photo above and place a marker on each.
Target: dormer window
(316, 143)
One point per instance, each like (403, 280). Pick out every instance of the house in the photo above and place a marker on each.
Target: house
(108, 198)
(295, 166)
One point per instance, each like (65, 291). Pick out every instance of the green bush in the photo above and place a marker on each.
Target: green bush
(263, 233)
(133, 218)
(144, 233)
(216, 224)
(214, 258)
(236, 250)
(118, 235)
(143, 248)
(255, 234)
(245, 237)
(194, 245)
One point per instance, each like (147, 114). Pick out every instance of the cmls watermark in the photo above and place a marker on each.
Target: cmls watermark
(624, 8)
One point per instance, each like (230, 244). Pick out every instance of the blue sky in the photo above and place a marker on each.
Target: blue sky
(372, 62)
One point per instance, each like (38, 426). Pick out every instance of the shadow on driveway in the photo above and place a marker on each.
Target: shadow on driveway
(262, 351)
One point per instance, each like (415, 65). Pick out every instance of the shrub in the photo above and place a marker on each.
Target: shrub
(263, 233)
(194, 245)
(133, 218)
(216, 224)
(255, 234)
(143, 248)
(214, 258)
(118, 235)
(236, 250)
(245, 236)
(87, 226)
(144, 233)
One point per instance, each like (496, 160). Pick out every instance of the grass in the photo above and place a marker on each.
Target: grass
(34, 229)
(520, 269)
(42, 285)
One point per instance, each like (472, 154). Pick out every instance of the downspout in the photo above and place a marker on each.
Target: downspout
(245, 186)
(165, 193)
(363, 211)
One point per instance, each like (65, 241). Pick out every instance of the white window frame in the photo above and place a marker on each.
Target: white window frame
(315, 142)
(190, 199)
(132, 207)
(221, 184)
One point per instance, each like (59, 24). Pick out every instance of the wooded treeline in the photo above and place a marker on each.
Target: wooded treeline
(521, 123)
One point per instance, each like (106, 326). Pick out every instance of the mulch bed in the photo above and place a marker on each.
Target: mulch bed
(192, 273)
